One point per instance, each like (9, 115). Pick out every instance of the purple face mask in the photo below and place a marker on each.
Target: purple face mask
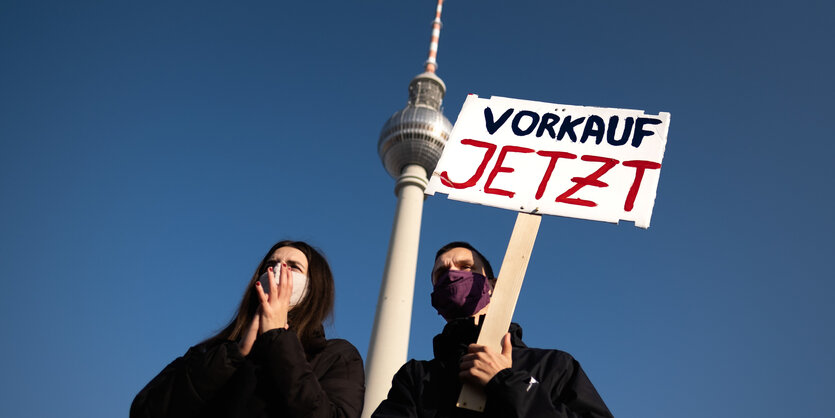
(460, 294)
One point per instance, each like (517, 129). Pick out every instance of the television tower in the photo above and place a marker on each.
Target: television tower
(410, 145)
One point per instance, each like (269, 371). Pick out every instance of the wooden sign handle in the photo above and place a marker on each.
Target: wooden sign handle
(503, 301)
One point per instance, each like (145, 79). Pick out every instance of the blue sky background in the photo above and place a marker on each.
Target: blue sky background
(151, 152)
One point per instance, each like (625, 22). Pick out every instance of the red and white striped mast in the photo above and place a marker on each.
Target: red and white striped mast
(431, 64)
(410, 145)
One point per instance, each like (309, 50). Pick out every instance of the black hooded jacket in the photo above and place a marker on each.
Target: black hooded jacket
(277, 379)
(540, 383)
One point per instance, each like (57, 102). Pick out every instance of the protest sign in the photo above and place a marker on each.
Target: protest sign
(593, 163)
(601, 164)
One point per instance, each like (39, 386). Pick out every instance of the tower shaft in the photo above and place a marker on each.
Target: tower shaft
(390, 336)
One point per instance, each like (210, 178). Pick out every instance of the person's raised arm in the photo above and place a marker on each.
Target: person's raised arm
(340, 389)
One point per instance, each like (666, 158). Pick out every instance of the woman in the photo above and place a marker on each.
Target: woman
(272, 359)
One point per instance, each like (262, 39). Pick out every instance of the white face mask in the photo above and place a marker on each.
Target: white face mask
(299, 285)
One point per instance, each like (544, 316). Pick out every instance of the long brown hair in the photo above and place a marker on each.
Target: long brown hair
(306, 318)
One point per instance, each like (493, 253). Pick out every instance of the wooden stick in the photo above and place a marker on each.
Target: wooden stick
(503, 301)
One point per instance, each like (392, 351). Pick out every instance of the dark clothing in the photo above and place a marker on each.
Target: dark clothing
(277, 379)
(540, 383)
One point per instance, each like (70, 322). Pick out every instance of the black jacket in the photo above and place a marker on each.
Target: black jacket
(430, 388)
(276, 379)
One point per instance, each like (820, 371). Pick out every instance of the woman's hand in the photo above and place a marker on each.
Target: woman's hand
(248, 337)
(275, 305)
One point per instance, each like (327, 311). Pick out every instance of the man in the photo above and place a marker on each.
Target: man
(519, 381)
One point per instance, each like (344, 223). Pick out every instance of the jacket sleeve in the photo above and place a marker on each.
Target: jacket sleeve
(184, 387)
(400, 401)
(338, 393)
(513, 394)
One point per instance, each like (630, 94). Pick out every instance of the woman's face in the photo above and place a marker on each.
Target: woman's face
(297, 262)
(294, 258)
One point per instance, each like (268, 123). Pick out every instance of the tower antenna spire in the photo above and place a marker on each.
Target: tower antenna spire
(431, 64)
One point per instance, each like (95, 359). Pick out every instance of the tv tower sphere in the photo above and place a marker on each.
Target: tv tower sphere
(417, 133)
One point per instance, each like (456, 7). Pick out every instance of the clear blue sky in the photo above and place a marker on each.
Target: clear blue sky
(153, 151)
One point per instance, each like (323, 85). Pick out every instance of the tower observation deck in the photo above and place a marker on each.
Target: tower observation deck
(417, 133)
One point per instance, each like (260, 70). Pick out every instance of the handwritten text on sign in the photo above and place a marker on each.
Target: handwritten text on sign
(594, 163)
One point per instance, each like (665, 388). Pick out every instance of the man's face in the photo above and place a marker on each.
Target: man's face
(457, 259)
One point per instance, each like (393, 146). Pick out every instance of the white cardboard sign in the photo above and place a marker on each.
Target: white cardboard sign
(594, 163)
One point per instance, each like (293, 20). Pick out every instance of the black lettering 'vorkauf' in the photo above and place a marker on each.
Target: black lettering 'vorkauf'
(526, 122)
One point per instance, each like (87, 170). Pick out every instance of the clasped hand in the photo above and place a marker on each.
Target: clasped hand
(481, 363)
(272, 313)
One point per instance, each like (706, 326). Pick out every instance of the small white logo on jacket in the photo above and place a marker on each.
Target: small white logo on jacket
(531, 383)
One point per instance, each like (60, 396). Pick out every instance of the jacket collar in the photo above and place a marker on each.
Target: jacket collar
(452, 343)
